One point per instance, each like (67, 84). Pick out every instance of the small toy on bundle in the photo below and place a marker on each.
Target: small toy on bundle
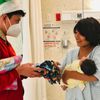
(50, 71)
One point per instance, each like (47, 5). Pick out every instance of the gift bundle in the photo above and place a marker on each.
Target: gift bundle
(50, 71)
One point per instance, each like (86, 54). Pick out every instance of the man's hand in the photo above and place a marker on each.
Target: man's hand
(28, 70)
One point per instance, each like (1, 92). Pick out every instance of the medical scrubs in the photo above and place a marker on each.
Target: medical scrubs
(6, 50)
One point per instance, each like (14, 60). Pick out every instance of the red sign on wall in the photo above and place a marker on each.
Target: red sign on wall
(58, 17)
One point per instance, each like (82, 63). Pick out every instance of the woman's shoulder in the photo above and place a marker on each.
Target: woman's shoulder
(72, 53)
(96, 49)
(73, 50)
(95, 52)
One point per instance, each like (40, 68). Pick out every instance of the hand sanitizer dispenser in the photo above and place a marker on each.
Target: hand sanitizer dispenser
(64, 41)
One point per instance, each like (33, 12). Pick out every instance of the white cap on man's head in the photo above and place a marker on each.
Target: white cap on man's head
(8, 7)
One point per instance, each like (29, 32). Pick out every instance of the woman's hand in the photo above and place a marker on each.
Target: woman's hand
(64, 87)
(78, 76)
(56, 64)
(28, 70)
(64, 77)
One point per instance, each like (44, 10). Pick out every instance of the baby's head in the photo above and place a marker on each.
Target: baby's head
(88, 66)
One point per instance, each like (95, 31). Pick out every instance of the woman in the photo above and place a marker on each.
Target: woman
(87, 35)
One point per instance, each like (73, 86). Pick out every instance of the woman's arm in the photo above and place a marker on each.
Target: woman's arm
(78, 76)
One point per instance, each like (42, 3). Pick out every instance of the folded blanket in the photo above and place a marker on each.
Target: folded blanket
(51, 73)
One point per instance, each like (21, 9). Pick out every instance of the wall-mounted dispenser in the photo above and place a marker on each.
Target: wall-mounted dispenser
(64, 40)
(78, 14)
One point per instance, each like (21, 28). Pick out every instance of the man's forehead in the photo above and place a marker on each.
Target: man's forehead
(17, 17)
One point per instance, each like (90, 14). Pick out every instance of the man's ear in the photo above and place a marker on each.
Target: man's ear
(4, 16)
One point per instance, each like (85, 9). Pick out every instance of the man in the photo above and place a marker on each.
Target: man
(10, 16)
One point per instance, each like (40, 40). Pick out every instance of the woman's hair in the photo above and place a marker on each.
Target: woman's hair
(18, 12)
(90, 29)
